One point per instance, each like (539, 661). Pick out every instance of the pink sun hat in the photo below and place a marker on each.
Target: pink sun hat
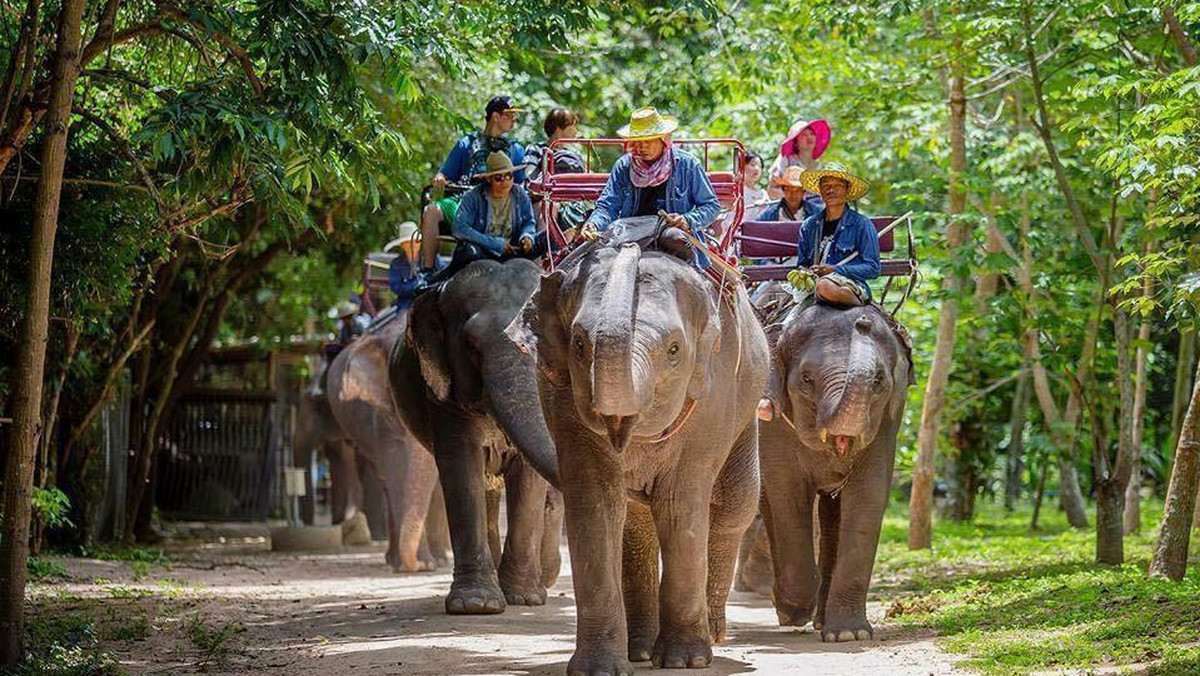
(819, 127)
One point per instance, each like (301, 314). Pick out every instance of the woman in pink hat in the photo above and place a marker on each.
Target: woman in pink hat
(805, 143)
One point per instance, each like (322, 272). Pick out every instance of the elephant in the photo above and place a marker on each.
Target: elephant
(649, 377)
(468, 395)
(355, 491)
(839, 381)
(361, 401)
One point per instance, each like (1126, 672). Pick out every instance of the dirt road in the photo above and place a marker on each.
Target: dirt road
(345, 614)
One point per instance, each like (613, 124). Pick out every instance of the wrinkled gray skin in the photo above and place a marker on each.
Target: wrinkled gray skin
(625, 342)
(470, 396)
(360, 399)
(841, 378)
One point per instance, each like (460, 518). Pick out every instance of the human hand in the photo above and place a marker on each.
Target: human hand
(439, 181)
(569, 235)
(526, 244)
(822, 269)
(589, 232)
(508, 249)
(676, 221)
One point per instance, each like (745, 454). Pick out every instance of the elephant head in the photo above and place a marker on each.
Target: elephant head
(838, 375)
(465, 359)
(633, 335)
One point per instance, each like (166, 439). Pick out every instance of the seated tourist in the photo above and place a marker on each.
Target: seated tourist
(652, 177)
(839, 244)
(466, 159)
(560, 123)
(796, 204)
(805, 143)
(494, 219)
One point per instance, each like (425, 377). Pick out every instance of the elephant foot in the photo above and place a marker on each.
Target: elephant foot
(853, 630)
(427, 560)
(641, 648)
(551, 564)
(518, 596)
(585, 664)
(474, 597)
(682, 653)
(792, 615)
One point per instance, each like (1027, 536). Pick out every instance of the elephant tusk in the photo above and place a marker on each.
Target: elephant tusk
(824, 435)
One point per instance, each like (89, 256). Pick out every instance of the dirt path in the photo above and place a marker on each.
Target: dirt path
(345, 614)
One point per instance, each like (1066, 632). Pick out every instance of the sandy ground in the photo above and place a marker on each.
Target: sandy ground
(346, 614)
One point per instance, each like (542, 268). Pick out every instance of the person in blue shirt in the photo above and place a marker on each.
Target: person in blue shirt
(797, 203)
(839, 244)
(466, 160)
(652, 177)
(494, 220)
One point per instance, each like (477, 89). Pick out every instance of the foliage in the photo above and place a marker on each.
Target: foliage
(41, 569)
(214, 643)
(51, 506)
(65, 645)
(1017, 602)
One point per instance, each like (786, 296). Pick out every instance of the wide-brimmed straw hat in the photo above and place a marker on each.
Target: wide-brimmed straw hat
(647, 123)
(819, 127)
(498, 163)
(343, 309)
(811, 179)
(790, 178)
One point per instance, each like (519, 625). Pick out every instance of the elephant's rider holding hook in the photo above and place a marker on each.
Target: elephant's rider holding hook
(838, 245)
(494, 219)
(464, 163)
(652, 177)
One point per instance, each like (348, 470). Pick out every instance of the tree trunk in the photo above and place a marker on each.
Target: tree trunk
(1038, 494)
(1171, 550)
(1113, 477)
(1016, 441)
(920, 509)
(1183, 386)
(31, 353)
(1132, 518)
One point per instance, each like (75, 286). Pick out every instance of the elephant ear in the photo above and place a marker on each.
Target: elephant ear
(777, 377)
(708, 343)
(538, 331)
(426, 333)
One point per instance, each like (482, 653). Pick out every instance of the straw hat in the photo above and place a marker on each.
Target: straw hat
(790, 178)
(648, 123)
(343, 309)
(811, 179)
(498, 163)
(408, 238)
(819, 127)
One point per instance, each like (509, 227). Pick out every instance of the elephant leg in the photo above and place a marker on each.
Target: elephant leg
(344, 484)
(521, 564)
(374, 502)
(437, 532)
(735, 500)
(857, 540)
(552, 524)
(829, 509)
(639, 581)
(755, 573)
(460, 461)
(681, 519)
(594, 501)
(411, 474)
(787, 511)
(493, 494)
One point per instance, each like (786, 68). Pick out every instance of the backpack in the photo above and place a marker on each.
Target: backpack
(480, 147)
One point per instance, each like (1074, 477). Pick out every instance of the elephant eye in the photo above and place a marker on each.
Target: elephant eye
(806, 378)
(877, 382)
(580, 349)
(673, 354)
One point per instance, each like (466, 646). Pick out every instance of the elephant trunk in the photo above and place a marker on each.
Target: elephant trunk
(845, 410)
(618, 388)
(510, 385)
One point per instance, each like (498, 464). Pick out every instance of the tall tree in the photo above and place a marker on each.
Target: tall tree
(31, 355)
(1171, 549)
(920, 515)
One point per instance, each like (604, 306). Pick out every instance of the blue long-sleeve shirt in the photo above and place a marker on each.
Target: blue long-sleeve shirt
(474, 214)
(689, 193)
(855, 232)
(469, 157)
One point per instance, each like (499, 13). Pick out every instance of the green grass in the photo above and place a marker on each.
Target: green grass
(1014, 601)
(44, 570)
(63, 645)
(213, 643)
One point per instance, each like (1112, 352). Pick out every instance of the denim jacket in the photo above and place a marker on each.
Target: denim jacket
(474, 212)
(689, 193)
(809, 207)
(855, 232)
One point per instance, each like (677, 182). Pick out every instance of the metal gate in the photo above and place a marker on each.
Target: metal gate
(218, 458)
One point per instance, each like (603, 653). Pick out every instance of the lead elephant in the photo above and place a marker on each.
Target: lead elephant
(361, 401)
(649, 382)
(839, 380)
(468, 395)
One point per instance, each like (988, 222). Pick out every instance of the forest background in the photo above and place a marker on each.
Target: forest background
(216, 172)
